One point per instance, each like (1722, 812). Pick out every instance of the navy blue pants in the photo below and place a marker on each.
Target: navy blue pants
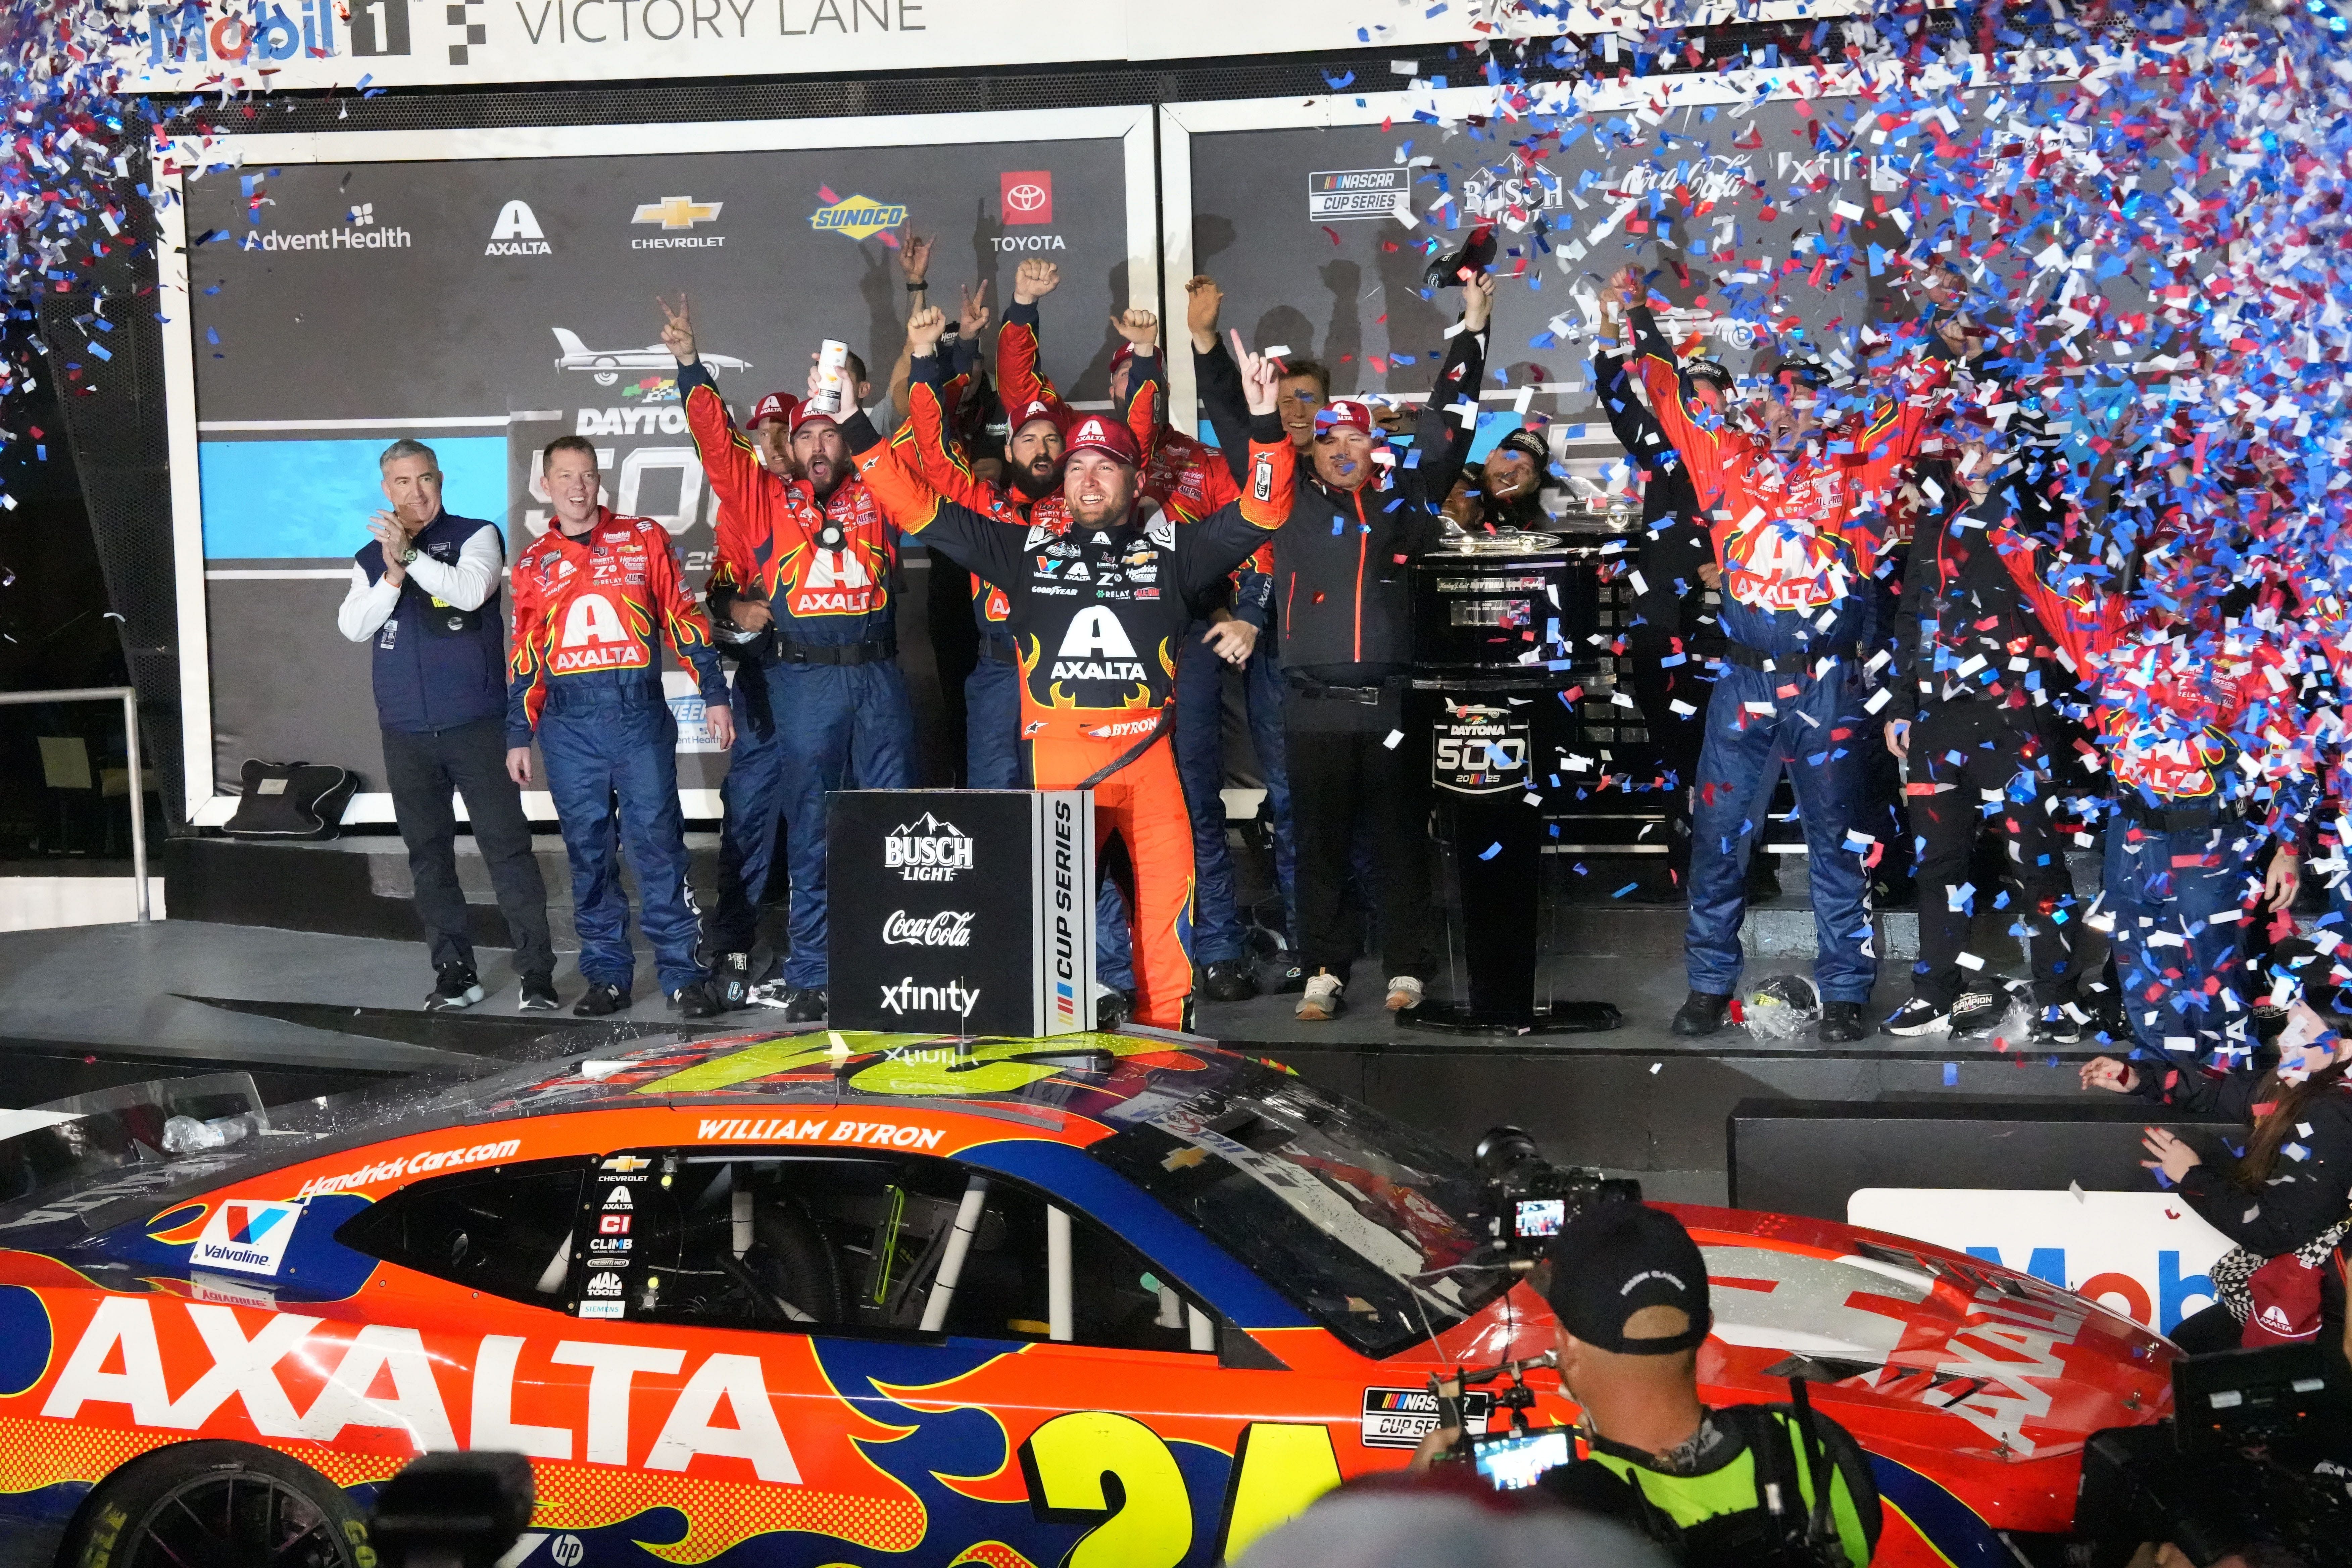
(752, 797)
(598, 743)
(1752, 732)
(1218, 934)
(836, 724)
(2182, 974)
(992, 760)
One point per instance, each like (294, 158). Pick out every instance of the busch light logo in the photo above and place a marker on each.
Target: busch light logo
(949, 928)
(927, 851)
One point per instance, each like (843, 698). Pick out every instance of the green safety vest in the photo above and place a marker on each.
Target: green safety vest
(1723, 1515)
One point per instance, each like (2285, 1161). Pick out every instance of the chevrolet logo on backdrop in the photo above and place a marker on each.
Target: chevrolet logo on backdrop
(675, 212)
(859, 217)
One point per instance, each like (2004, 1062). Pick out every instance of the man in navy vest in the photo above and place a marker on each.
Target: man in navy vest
(426, 591)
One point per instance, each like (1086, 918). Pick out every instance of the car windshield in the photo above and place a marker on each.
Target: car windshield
(1345, 1212)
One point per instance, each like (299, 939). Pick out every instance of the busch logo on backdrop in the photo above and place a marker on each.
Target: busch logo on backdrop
(927, 851)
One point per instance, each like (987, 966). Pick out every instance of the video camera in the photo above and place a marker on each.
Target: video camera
(2255, 1452)
(1526, 1199)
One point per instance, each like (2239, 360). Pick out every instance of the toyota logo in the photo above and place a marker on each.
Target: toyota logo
(1025, 198)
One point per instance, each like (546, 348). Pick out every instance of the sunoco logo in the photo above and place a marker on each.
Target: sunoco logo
(949, 928)
(859, 217)
(928, 851)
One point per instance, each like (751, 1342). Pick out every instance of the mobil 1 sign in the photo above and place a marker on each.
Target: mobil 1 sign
(961, 911)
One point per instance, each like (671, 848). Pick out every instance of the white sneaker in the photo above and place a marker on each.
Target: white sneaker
(1321, 999)
(1404, 991)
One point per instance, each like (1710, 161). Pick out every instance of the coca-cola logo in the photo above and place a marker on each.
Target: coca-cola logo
(949, 928)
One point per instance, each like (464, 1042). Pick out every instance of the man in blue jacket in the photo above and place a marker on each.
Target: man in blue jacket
(424, 591)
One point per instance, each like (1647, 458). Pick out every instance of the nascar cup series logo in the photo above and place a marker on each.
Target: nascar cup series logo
(927, 851)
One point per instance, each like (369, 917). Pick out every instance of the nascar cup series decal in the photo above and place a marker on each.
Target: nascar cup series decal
(246, 1236)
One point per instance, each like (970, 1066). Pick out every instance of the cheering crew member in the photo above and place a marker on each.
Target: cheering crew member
(1098, 612)
(1968, 713)
(812, 558)
(1790, 531)
(1677, 635)
(1341, 591)
(2197, 718)
(590, 598)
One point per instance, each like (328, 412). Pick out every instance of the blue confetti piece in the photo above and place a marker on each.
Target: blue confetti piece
(1951, 1074)
(1491, 850)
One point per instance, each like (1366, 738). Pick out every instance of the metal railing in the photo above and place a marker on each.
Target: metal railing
(130, 700)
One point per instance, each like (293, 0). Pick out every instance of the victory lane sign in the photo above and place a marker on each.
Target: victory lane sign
(961, 911)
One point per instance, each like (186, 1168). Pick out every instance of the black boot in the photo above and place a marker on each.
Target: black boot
(1702, 1013)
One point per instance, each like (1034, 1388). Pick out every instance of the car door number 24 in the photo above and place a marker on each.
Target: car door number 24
(1278, 1469)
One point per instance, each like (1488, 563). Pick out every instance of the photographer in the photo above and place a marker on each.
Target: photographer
(2284, 1202)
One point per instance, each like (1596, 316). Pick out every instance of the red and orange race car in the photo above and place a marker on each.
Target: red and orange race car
(1102, 1299)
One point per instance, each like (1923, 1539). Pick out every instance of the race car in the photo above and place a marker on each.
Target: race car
(847, 1298)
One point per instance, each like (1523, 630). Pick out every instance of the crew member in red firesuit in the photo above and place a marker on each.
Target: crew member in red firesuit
(813, 558)
(592, 598)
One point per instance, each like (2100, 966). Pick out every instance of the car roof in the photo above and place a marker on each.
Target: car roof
(1056, 1087)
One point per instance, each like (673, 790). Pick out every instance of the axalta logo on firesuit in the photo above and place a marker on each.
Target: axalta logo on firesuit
(1097, 647)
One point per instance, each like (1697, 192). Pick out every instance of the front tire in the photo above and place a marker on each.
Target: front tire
(216, 1502)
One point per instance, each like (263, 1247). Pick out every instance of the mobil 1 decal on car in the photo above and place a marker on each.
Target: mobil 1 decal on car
(1402, 1417)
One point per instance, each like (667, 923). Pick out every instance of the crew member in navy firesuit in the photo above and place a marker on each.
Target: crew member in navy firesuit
(592, 598)
(1342, 593)
(1791, 532)
(1966, 646)
(813, 558)
(425, 593)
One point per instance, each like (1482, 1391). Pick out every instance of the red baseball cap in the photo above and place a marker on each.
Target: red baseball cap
(1094, 433)
(1121, 354)
(803, 415)
(1055, 413)
(775, 405)
(1353, 413)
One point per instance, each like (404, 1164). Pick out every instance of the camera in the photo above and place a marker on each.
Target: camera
(1526, 1199)
(2253, 1453)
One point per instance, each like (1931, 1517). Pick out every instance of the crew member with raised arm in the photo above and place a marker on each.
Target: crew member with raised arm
(2198, 721)
(812, 557)
(592, 600)
(1096, 612)
(1341, 591)
(1792, 528)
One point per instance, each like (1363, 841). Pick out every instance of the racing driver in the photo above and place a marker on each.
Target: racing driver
(1097, 613)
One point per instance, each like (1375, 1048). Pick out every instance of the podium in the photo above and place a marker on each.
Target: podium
(961, 911)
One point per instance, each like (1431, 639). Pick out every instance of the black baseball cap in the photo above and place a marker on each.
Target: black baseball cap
(1614, 1258)
(1528, 443)
(1712, 371)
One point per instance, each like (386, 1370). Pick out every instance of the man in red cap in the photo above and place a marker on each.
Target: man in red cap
(1096, 612)
(807, 561)
(1340, 589)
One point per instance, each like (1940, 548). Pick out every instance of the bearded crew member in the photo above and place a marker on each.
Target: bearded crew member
(590, 598)
(812, 557)
(1792, 531)
(1097, 613)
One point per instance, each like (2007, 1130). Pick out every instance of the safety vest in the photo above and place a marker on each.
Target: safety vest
(1724, 1516)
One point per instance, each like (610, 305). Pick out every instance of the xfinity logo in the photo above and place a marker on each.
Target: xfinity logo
(927, 851)
(517, 233)
(908, 997)
(949, 928)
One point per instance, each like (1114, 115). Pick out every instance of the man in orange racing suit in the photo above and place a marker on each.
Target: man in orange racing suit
(1096, 615)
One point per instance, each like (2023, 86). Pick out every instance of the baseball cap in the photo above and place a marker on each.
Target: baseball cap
(1352, 413)
(1095, 434)
(803, 415)
(1037, 408)
(775, 405)
(1121, 354)
(1610, 1261)
(1712, 371)
(1528, 443)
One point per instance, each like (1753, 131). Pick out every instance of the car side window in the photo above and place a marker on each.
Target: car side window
(506, 1231)
(863, 1243)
